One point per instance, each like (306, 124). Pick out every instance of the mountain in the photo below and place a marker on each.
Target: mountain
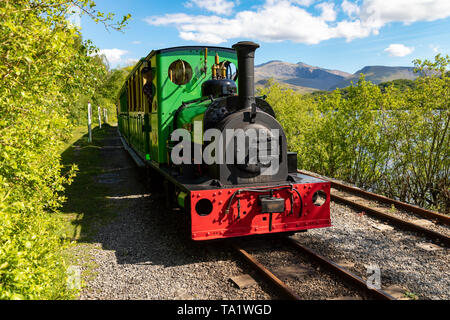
(378, 74)
(300, 76)
(305, 78)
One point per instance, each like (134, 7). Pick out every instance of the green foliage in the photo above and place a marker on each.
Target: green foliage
(44, 66)
(393, 140)
(401, 84)
(411, 295)
(105, 95)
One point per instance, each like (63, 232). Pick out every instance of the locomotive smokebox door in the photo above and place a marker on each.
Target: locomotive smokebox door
(272, 205)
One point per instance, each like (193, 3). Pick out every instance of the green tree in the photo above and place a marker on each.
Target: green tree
(44, 66)
(392, 139)
(420, 140)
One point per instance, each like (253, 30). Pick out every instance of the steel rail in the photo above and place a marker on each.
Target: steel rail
(343, 273)
(267, 274)
(392, 219)
(444, 219)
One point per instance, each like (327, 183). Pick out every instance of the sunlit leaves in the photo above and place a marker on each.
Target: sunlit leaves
(44, 69)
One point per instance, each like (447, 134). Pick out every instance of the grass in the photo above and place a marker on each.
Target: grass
(86, 208)
(411, 295)
(81, 255)
(77, 133)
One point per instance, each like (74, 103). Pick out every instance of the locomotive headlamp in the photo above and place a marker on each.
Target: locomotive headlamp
(271, 205)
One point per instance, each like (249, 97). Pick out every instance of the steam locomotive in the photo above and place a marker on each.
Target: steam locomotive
(172, 100)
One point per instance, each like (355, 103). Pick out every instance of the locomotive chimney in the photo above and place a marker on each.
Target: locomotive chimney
(246, 67)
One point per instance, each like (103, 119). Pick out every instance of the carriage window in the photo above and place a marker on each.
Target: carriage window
(180, 72)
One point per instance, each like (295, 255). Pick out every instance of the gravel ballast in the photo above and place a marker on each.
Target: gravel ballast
(354, 238)
(143, 253)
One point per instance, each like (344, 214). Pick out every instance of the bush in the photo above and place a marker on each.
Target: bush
(44, 66)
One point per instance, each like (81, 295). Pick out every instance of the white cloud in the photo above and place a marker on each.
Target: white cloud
(350, 8)
(328, 13)
(131, 61)
(398, 50)
(136, 42)
(435, 49)
(114, 56)
(381, 12)
(275, 21)
(305, 3)
(216, 6)
(279, 20)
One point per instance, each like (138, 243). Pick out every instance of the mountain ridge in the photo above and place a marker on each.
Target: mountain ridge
(306, 78)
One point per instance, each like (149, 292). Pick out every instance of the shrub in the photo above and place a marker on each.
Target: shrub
(391, 140)
(44, 66)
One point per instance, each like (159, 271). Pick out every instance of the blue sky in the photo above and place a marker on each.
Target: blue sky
(341, 34)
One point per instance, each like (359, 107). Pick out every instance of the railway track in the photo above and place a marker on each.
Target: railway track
(266, 273)
(371, 204)
(333, 267)
(356, 198)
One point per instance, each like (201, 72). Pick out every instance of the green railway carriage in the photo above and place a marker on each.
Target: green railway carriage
(255, 193)
(178, 75)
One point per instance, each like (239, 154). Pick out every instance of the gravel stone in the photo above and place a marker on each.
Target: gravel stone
(395, 252)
